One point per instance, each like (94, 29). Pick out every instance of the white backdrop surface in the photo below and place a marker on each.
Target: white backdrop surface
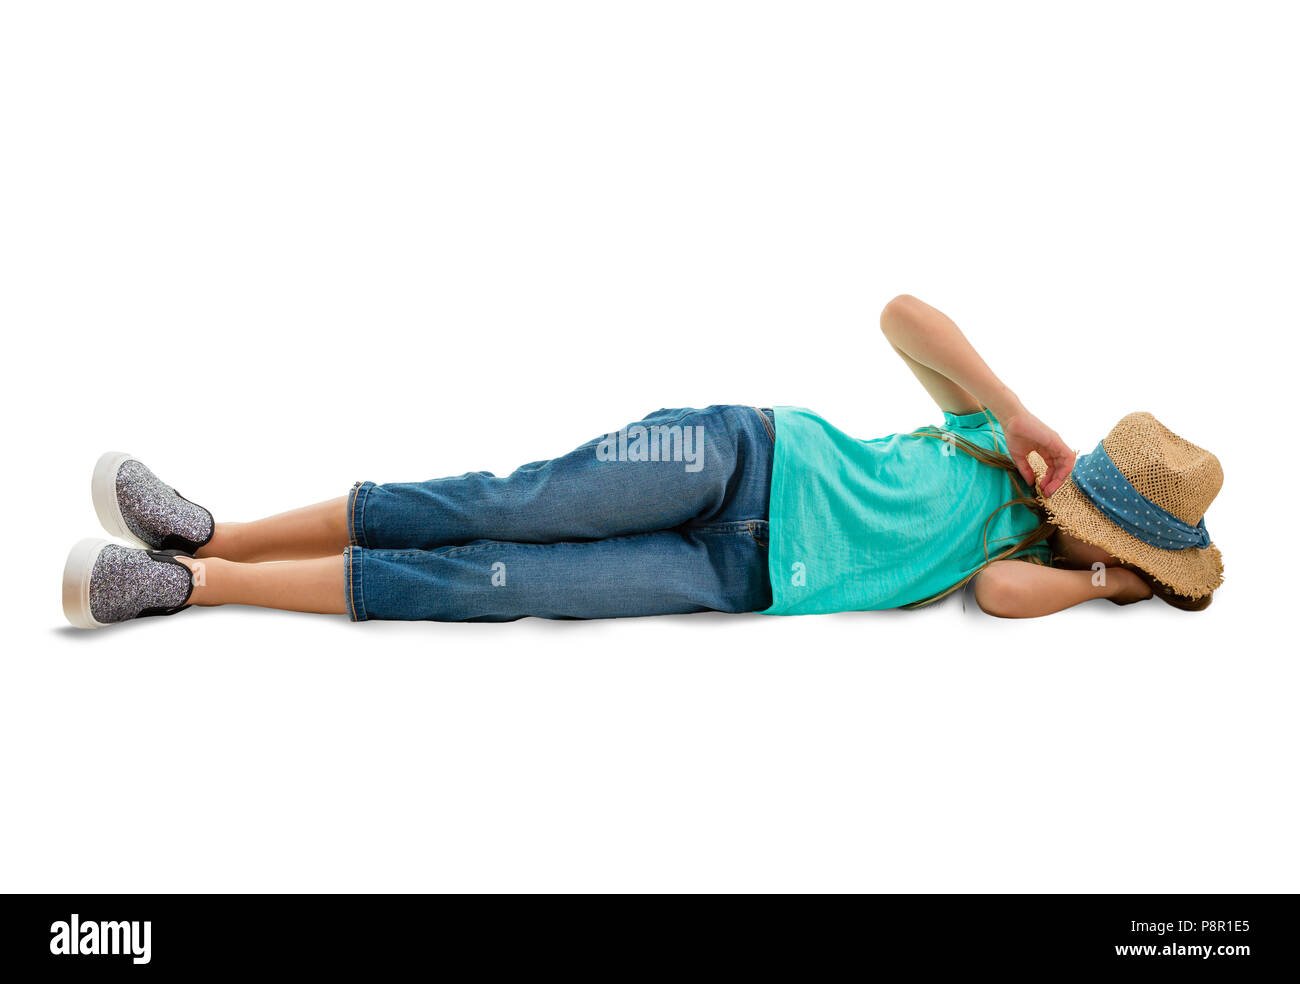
(273, 248)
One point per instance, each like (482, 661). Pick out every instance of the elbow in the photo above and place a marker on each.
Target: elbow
(998, 595)
(897, 312)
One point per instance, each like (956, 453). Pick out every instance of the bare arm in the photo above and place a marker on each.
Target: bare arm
(1017, 589)
(953, 373)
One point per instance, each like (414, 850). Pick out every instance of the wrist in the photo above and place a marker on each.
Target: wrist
(1116, 581)
(1004, 404)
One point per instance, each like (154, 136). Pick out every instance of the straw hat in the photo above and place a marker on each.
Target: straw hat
(1141, 496)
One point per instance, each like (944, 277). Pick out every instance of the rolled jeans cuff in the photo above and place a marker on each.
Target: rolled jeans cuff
(357, 499)
(353, 581)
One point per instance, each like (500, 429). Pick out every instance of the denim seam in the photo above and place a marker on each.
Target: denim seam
(359, 605)
(357, 514)
(734, 526)
(352, 506)
(356, 573)
(347, 577)
(767, 424)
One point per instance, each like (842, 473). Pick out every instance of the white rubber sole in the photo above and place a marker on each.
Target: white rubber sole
(76, 583)
(103, 493)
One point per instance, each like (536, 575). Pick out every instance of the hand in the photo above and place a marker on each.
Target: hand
(1026, 433)
(1123, 587)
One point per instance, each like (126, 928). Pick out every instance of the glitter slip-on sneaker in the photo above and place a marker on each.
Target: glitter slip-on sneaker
(134, 504)
(106, 582)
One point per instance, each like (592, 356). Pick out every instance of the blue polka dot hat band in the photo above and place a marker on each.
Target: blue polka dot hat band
(1105, 485)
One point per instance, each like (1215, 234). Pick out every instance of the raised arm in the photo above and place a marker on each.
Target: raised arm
(953, 373)
(1018, 589)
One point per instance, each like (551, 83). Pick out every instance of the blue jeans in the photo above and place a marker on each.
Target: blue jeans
(668, 515)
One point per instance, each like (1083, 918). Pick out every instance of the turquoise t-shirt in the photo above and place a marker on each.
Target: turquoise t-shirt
(859, 525)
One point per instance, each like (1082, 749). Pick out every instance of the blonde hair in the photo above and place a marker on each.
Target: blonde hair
(994, 459)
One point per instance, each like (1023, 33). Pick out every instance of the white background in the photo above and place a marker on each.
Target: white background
(273, 248)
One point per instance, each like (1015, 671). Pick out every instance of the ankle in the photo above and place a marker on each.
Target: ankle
(226, 542)
(202, 571)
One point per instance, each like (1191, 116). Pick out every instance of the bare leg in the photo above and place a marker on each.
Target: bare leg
(314, 585)
(313, 531)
